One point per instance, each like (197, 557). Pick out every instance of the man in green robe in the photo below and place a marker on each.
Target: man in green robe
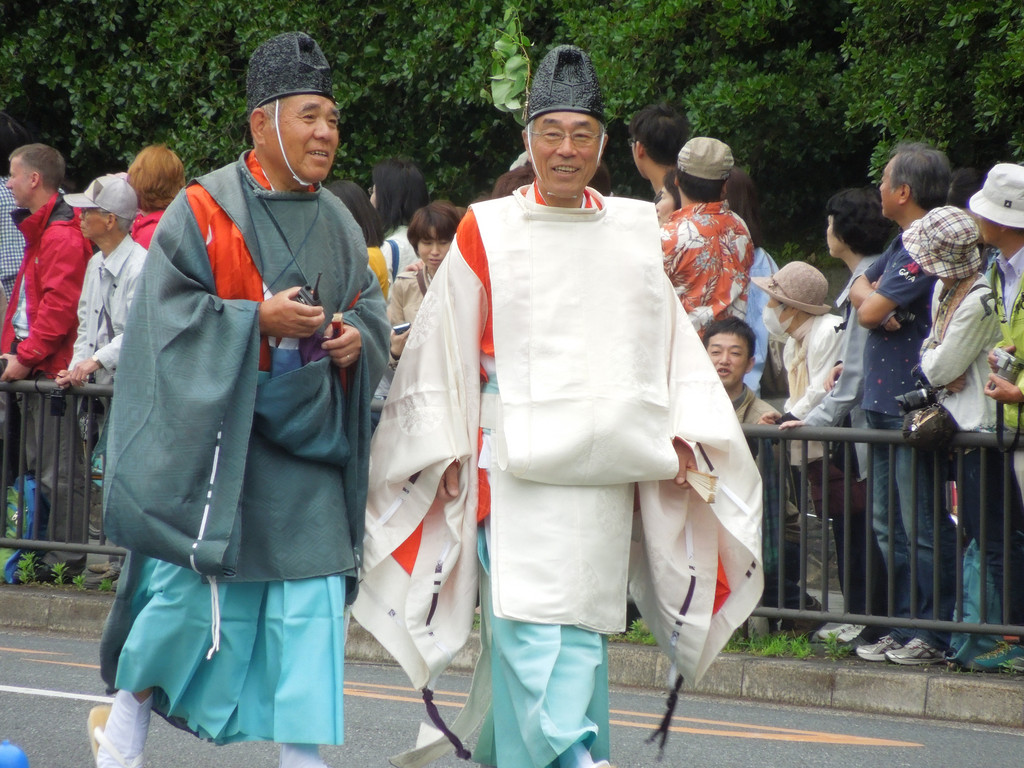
(238, 440)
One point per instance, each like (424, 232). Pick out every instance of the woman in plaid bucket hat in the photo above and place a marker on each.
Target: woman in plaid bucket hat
(965, 326)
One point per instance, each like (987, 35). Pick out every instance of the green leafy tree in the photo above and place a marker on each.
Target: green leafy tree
(810, 94)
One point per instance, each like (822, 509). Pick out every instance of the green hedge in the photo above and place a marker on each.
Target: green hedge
(811, 94)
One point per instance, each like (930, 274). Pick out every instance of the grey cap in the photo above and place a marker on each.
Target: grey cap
(286, 65)
(108, 193)
(565, 81)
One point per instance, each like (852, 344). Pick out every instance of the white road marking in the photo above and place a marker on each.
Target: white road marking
(55, 694)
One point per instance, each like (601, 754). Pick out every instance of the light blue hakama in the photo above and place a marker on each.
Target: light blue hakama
(550, 690)
(278, 675)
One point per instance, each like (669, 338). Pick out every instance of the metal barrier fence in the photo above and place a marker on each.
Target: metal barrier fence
(48, 433)
(973, 495)
(822, 562)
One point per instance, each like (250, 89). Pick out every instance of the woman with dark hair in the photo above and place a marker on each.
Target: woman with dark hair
(856, 233)
(366, 216)
(398, 191)
(741, 195)
(157, 175)
(431, 232)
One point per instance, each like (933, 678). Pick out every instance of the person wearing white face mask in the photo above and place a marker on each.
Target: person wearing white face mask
(796, 309)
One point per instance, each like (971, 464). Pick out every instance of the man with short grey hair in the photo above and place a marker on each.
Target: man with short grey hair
(892, 299)
(108, 207)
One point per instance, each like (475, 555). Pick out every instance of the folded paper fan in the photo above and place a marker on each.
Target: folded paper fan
(703, 483)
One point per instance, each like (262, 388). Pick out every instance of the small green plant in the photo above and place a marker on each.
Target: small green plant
(106, 585)
(27, 566)
(639, 633)
(60, 574)
(771, 645)
(834, 649)
(79, 581)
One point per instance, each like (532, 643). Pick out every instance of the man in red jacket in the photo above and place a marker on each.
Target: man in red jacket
(39, 335)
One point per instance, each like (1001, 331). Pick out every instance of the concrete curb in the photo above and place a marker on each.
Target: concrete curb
(850, 684)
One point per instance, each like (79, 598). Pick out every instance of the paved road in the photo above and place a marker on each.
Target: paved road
(49, 682)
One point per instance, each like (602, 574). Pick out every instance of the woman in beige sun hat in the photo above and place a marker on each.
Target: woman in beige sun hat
(797, 309)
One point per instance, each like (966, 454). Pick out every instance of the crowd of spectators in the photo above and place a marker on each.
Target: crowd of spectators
(934, 259)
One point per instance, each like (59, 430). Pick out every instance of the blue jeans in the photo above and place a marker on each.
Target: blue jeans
(912, 510)
(971, 512)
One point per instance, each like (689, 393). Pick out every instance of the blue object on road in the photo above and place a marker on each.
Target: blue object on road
(12, 756)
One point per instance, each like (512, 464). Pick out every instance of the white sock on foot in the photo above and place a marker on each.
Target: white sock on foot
(126, 728)
(301, 756)
(576, 756)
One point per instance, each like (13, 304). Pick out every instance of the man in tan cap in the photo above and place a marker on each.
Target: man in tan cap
(707, 248)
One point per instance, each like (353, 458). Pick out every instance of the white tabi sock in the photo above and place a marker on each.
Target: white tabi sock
(126, 729)
(301, 756)
(576, 756)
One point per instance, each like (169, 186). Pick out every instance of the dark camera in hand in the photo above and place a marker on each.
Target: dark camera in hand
(925, 394)
(904, 316)
(309, 296)
(917, 398)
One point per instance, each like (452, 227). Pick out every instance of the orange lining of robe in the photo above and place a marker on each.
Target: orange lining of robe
(234, 273)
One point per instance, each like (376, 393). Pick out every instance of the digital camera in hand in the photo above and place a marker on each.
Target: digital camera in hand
(1008, 365)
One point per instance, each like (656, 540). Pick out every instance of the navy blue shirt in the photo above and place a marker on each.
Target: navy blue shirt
(889, 357)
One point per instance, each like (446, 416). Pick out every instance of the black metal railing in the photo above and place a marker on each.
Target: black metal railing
(822, 562)
(55, 448)
(814, 580)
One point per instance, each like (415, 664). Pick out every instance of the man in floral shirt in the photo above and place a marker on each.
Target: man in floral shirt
(707, 248)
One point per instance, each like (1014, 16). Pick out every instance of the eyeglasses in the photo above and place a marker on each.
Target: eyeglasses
(89, 211)
(554, 139)
(631, 141)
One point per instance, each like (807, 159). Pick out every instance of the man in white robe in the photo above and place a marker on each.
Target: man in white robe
(549, 402)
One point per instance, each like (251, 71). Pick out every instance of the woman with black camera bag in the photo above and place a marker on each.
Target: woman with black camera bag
(954, 363)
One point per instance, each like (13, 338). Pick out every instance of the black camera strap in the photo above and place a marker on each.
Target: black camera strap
(1001, 433)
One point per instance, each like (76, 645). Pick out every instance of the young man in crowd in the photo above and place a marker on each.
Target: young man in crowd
(656, 134)
(38, 340)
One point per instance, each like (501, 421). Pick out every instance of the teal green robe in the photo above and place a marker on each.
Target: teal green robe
(209, 469)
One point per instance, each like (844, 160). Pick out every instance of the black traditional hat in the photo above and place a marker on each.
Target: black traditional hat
(286, 65)
(565, 81)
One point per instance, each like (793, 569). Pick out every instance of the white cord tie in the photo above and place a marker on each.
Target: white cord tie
(215, 618)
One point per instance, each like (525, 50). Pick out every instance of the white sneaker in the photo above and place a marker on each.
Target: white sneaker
(843, 633)
(877, 651)
(917, 651)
